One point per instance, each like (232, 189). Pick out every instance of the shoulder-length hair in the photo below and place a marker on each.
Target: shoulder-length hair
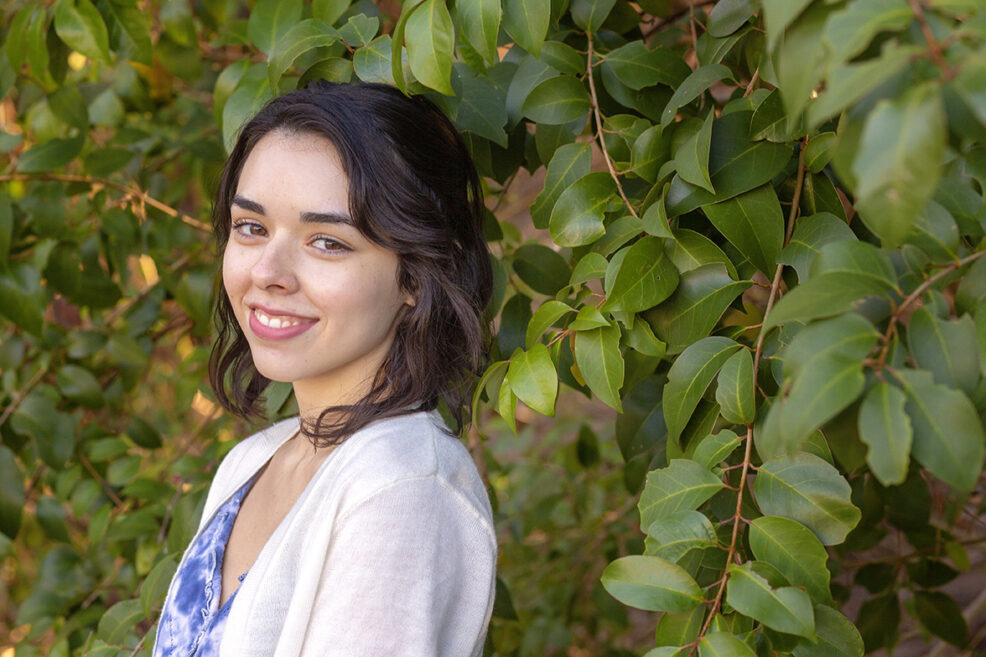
(413, 189)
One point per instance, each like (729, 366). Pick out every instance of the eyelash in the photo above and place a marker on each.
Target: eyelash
(332, 245)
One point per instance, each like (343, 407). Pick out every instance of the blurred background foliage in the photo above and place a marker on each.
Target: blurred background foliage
(737, 392)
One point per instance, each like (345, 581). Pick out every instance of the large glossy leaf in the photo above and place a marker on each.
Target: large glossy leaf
(948, 434)
(690, 250)
(301, 38)
(795, 551)
(785, 609)
(778, 14)
(808, 490)
(50, 155)
(547, 314)
(430, 40)
(569, 163)
(728, 16)
(736, 165)
(842, 273)
(682, 486)
(886, 430)
(689, 376)
(837, 636)
(651, 583)
(671, 536)
(714, 448)
(270, 20)
(557, 100)
(650, 151)
(590, 14)
(527, 22)
(637, 66)
(798, 61)
(936, 233)
(543, 269)
(645, 278)
(723, 644)
(533, 378)
(810, 235)
(156, 584)
(692, 157)
(597, 353)
(849, 31)
(692, 87)
(734, 391)
(676, 628)
(482, 111)
(942, 616)
(479, 21)
(80, 25)
(895, 183)
(694, 309)
(753, 222)
(577, 217)
(119, 620)
(823, 369)
(947, 348)
(245, 102)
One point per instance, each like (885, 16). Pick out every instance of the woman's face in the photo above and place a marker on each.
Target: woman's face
(317, 301)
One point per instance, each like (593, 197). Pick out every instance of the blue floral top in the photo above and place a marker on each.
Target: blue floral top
(192, 622)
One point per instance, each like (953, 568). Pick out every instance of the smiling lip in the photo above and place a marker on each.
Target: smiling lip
(291, 325)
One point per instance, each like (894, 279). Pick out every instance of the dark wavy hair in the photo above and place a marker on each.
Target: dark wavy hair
(413, 189)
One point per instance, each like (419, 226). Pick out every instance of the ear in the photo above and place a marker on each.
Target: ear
(409, 300)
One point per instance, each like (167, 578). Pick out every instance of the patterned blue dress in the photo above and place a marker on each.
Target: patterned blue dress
(192, 623)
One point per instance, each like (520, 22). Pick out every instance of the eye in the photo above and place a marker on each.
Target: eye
(328, 244)
(247, 228)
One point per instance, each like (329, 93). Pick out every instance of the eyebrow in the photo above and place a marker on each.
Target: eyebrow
(306, 217)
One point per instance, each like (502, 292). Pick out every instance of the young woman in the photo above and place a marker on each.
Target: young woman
(354, 267)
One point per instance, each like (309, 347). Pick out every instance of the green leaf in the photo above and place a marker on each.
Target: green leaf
(948, 435)
(651, 583)
(784, 609)
(430, 40)
(137, 26)
(11, 493)
(936, 233)
(810, 235)
(562, 57)
(878, 621)
(675, 534)
(736, 165)
(688, 378)
(50, 155)
(798, 61)
(329, 10)
(649, 151)
(714, 448)
(119, 620)
(591, 266)
(482, 110)
(968, 297)
(22, 299)
(941, 615)
(588, 318)
(655, 219)
(676, 628)
(301, 38)
(644, 279)
(68, 105)
(728, 16)
(527, 22)
(754, 223)
(823, 368)
(543, 269)
(849, 30)
(78, 385)
(6, 226)
(569, 163)
(837, 636)
(641, 337)
(778, 14)
(590, 14)
(557, 100)
(723, 644)
(701, 298)
(842, 273)
(818, 151)
(691, 250)
(947, 348)
(547, 314)
(359, 30)
(479, 21)
(80, 26)
(804, 488)
(597, 353)
(734, 392)
(682, 486)
(894, 184)
(692, 87)
(241, 106)
(577, 217)
(156, 585)
(638, 67)
(270, 20)
(372, 62)
(796, 552)
(886, 430)
(692, 157)
(533, 378)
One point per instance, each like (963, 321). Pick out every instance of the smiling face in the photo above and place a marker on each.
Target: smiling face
(318, 302)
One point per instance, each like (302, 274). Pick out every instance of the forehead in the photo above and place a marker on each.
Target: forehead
(297, 169)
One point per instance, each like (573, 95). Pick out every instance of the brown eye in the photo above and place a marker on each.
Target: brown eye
(329, 245)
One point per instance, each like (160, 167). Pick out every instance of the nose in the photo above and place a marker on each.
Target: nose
(274, 269)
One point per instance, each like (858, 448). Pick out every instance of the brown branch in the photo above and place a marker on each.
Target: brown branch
(599, 130)
(748, 448)
(934, 47)
(137, 194)
(21, 394)
(106, 487)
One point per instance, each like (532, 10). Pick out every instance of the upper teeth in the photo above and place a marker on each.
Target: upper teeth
(274, 322)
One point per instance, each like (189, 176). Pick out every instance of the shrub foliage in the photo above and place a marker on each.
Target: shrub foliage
(759, 241)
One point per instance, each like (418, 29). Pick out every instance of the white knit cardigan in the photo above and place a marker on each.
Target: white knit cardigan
(389, 551)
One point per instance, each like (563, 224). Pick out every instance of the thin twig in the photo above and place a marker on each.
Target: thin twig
(599, 131)
(21, 394)
(134, 192)
(934, 47)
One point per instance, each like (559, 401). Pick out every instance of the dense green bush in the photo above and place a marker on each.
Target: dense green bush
(759, 241)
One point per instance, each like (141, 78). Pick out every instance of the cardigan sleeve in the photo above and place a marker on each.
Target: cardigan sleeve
(410, 572)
